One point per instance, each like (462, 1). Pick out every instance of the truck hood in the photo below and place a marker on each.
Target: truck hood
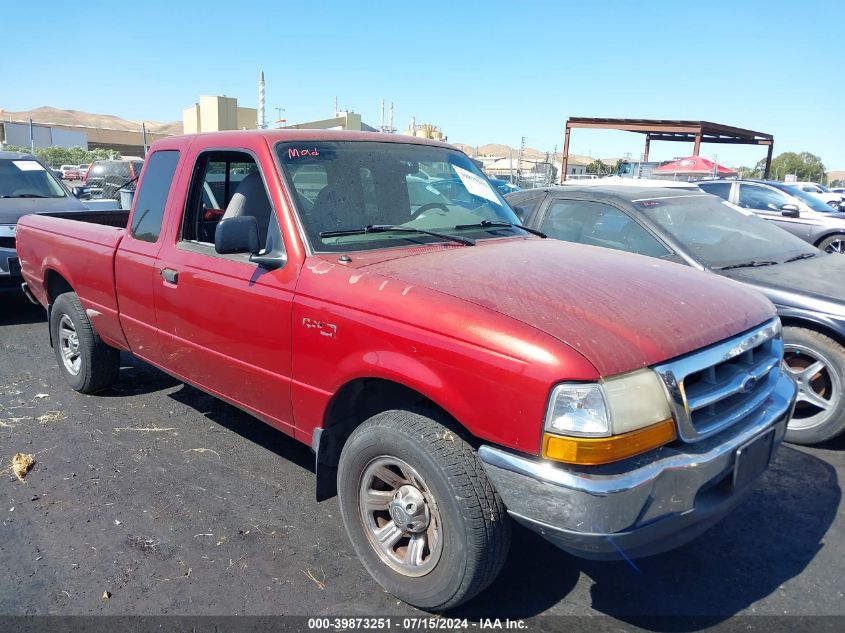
(13, 209)
(620, 311)
(813, 284)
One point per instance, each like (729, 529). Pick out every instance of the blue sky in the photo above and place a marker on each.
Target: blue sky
(483, 71)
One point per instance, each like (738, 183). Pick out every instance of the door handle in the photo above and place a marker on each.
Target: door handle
(170, 275)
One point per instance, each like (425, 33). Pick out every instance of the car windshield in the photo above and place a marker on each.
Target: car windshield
(720, 234)
(350, 185)
(27, 178)
(811, 200)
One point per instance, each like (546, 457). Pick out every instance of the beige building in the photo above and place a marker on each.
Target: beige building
(341, 121)
(216, 113)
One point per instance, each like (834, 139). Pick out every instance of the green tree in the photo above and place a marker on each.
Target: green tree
(598, 167)
(57, 156)
(804, 165)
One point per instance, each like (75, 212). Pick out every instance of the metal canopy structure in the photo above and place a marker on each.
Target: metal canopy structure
(696, 132)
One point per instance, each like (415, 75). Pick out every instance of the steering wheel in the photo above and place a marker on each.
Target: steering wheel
(430, 205)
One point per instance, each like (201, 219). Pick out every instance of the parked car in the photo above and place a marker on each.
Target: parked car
(839, 190)
(83, 170)
(105, 178)
(447, 367)
(27, 185)
(797, 211)
(700, 230)
(830, 198)
(69, 172)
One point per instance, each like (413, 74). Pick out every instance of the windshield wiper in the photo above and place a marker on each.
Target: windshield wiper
(801, 256)
(25, 195)
(751, 264)
(392, 228)
(489, 223)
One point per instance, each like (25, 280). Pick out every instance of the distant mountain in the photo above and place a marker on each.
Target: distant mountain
(47, 115)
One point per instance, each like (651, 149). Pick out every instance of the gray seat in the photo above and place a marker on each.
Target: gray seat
(250, 199)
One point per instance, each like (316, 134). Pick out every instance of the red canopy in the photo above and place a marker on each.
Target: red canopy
(693, 166)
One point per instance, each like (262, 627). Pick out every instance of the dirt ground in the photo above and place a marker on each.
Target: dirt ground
(176, 503)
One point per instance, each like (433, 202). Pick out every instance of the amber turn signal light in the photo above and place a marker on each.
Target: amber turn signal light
(592, 451)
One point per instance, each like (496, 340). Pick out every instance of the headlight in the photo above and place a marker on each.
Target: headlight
(597, 423)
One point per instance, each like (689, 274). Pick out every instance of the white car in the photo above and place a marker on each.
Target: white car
(835, 200)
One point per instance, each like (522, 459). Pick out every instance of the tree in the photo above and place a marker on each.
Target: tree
(598, 167)
(804, 165)
(57, 156)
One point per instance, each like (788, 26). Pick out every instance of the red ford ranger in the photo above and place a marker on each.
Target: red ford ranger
(375, 297)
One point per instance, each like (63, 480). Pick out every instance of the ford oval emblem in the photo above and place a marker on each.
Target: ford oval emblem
(748, 384)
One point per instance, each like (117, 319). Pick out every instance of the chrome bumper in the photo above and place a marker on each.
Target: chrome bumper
(640, 506)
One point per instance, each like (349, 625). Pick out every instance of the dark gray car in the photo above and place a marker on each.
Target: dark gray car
(27, 185)
(700, 230)
(799, 212)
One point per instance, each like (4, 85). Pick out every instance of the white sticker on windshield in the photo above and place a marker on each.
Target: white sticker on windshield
(28, 165)
(477, 185)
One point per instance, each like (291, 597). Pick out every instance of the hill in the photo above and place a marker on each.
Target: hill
(47, 115)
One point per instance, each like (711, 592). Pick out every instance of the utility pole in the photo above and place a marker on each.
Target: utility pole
(279, 119)
(144, 134)
(519, 163)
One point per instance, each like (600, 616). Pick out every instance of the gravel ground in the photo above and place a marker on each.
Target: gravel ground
(176, 503)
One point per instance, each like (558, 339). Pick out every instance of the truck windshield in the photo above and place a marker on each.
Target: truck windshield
(27, 178)
(342, 186)
(719, 234)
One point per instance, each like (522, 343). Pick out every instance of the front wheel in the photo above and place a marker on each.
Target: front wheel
(420, 511)
(833, 244)
(817, 363)
(87, 363)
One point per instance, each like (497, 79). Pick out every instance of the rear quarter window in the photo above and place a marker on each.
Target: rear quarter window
(151, 199)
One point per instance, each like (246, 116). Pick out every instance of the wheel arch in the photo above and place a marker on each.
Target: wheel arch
(356, 401)
(55, 284)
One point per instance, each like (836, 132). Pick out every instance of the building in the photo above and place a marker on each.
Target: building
(216, 113)
(342, 120)
(53, 127)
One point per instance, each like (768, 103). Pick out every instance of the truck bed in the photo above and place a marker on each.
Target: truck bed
(75, 249)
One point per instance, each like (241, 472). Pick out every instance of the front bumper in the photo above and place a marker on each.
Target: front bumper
(641, 506)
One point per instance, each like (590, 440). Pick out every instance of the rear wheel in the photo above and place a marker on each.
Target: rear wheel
(419, 510)
(86, 361)
(833, 244)
(817, 363)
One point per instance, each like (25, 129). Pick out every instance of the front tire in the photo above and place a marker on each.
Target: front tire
(87, 363)
(420, 511)
(817, 363)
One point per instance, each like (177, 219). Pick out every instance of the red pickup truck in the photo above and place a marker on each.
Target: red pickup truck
(373, 296)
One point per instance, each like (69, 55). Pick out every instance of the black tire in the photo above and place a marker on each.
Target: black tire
(98, 364)
(810, 423)
(475, 528)
(833, 243)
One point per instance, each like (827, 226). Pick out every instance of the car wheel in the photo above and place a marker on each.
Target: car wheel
(86, 361)
(833, 244)
(817, 363)
(420, 511)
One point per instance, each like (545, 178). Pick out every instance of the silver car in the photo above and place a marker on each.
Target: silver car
(801, 213)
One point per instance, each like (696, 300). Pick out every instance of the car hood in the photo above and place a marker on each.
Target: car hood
(814, 284)
(621, 311)
(13, 209)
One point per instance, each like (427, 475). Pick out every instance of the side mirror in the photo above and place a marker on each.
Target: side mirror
(789, 211)
(237, 235)
(520, 213)
(81, 193)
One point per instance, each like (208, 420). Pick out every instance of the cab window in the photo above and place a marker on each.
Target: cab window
(227, 184)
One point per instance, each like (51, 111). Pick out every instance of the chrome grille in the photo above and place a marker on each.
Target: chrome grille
(718, 386)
